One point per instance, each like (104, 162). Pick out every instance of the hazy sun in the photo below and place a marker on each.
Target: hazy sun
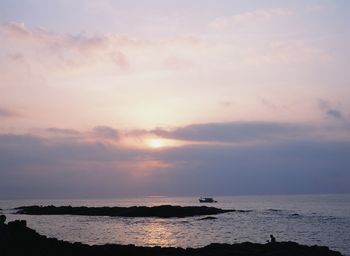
(156, 143)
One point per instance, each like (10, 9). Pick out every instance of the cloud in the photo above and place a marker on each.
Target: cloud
(99, 134)
(335, 114)
(323, 104)
(302, 52)
(176, 63)
(300, 166)
(101, 52)
(251, 16)
(32, 166)
(7, 113)
(106, 132)
(287, 52)
(19, 31)
(63, 131)
(261, 14)
(16, 28)
(233, 131)
(330, 111)
(320, 8)
(65, 49)
(16, 56)
(226, 103)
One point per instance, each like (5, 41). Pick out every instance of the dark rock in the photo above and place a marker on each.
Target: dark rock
(18, 224)
(208, 218)
(244, 211)
(274, 210)
(162, 211)
(17, 239)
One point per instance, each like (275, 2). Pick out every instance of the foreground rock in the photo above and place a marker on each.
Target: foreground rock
(17, 239)
(163, 211)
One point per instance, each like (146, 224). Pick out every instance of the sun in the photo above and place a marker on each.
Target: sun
(156, 143)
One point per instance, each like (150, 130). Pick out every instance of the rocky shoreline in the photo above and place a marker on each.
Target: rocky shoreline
(162, 211)
(17, 239)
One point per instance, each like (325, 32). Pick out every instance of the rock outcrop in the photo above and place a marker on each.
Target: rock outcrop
(162, 211)
(17, 239)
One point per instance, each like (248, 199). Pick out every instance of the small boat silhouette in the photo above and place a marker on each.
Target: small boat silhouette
(207, 200)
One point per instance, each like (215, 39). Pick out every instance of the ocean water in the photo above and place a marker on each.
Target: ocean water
(307, 219)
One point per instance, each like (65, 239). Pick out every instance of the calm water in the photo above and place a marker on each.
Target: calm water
(308, 219)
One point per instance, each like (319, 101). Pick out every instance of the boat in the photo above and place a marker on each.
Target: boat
(207, 200)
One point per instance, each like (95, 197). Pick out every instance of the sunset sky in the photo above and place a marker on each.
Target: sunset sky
(108, 98)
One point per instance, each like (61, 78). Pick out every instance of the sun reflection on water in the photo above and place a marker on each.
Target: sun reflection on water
(156, 233)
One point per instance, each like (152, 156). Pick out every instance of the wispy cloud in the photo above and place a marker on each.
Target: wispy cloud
(330, 110)
(71, 50)
(106, 132)
(287, 52)
(100, 134)
(335, 114)
(63, 131)
(257, 15)
(233, 131)
(74, 51)
(177, 63)
(321, 7)
(8, 113)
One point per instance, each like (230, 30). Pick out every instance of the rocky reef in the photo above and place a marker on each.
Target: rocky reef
(17, 239)
(162, 211)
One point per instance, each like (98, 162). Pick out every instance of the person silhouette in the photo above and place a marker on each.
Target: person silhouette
(273, 239)
(2, 219)
(3, 228)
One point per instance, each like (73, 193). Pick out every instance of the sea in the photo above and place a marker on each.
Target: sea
(306, 219)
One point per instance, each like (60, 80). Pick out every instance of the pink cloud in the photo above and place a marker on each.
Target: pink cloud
(15, 29)
(121, 60)
(66, 51)
(70, 50)
(8, 113)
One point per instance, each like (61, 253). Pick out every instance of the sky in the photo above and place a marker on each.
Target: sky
(124, 98)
